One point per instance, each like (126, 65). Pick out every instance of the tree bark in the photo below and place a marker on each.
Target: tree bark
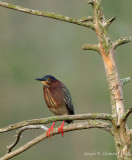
(107, 50)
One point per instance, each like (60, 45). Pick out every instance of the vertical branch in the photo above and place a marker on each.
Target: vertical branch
(107, 51)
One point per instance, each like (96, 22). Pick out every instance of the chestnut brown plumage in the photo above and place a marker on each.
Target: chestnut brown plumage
(57, 98)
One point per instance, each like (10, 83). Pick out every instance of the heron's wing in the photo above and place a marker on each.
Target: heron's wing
(68, 99)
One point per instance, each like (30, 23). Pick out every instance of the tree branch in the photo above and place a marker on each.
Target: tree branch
(126, 114)
(71, 127)
(85, 19)
(121, 41)
(101, 116)
(91, 47)
(125, 80)
(19, 132)
(47, 14)
(108, 22)
(130, 133)
(107, 50)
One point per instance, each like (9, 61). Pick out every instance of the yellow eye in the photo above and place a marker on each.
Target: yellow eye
(48, 79)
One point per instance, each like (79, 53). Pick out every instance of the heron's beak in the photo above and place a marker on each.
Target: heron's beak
(40, 79)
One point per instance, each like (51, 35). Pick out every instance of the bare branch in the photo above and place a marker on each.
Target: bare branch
(47, 14)
(108, 22)
(91, 47)
(101, 30)
(19, 132)
(85, 19)
(130, 133)
(125, 80)
(107, 48)
(101, 116)
(121, 41)
(71, 127)
(126, 114)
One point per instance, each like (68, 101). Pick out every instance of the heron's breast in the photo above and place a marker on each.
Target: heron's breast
(55, 102)
(49, 99)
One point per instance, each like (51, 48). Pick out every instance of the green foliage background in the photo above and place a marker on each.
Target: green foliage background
(32, 46)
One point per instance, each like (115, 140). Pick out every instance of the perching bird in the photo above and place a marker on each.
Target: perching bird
(57, 98)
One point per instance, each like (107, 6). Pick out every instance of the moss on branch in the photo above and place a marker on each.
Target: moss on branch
(125, 80)
(52, 15)
(101, 116)
(120, 41)
(126, 114)
(91, 47)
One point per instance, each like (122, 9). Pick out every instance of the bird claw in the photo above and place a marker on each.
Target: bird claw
(50, 129)
(48, 132)
(60, 129)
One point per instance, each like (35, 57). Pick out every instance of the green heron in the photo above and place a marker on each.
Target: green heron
(57, 98)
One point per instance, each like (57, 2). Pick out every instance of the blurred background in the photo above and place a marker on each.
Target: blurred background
(32, 46)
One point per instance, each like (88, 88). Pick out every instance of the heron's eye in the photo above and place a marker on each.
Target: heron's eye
(48, 79)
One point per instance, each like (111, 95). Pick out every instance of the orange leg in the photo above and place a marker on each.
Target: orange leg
(50, 129)
(60, 129)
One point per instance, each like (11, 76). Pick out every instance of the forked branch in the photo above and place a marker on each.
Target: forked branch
(19, 132)
(71, 127)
